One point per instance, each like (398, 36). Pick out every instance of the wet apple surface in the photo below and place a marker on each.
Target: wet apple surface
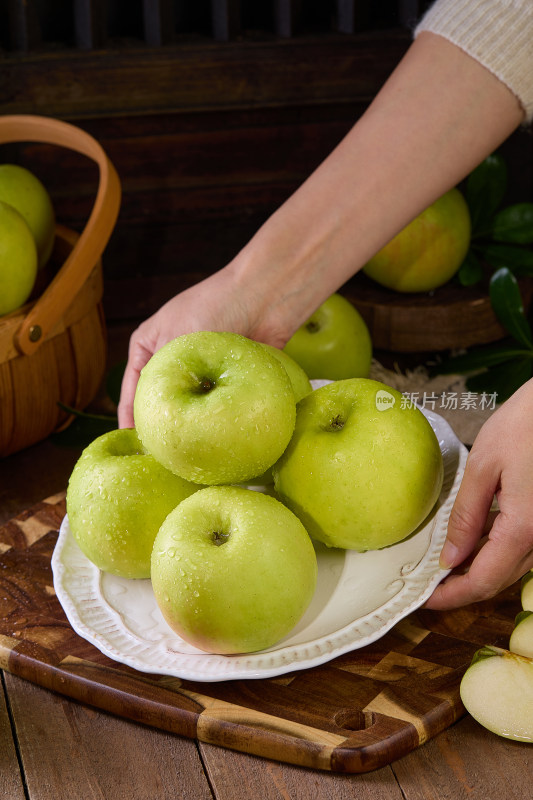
(214, 407)
(118, 496)
(233, 570)
(363, 469)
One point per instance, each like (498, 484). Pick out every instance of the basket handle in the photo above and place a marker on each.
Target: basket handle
(52, 304)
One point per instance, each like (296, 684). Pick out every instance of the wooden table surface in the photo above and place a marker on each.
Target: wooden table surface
(54, 748)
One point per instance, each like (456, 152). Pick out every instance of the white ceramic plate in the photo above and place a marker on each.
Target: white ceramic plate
(359, 597)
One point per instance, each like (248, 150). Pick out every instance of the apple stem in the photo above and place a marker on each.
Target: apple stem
(336, 424)
(206, 384)
(219, 538)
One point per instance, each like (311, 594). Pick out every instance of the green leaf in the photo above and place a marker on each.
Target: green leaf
(87, 414)
(479, 358)
(470, 272)
(518, 259)
(514, 224)
(507, 303)
(83, 430)
(114, 381)
(502, 380)
(485, 189)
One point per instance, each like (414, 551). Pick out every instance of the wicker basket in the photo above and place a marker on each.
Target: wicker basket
(53, 349)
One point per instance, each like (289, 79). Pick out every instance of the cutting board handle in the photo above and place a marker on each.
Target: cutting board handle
(54, 301)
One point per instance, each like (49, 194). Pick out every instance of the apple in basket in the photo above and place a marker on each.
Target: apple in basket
(214, 407)
(18, 259)
(117, 498)
(233, 570)
(363, 468)
(334, 343)
(24, 191)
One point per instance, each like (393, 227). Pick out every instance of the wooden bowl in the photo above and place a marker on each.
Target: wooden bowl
(450, 317)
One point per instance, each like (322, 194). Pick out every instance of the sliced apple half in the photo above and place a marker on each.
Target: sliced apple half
(497, 690)
(526, 595)
(521, 641)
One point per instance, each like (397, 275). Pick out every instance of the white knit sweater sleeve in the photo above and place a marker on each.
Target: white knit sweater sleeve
(497, 33)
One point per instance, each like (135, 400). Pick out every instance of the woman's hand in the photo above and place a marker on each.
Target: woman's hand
(214, 304)
(500, 464)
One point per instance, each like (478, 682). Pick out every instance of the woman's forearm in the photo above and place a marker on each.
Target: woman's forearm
(439, 114)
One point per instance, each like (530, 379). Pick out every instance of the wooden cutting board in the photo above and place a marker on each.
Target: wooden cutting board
(354, 714)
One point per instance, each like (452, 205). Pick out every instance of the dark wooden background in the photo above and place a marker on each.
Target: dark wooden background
(213, 112)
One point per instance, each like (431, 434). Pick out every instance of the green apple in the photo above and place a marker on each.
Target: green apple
(22, 189)
(526, 594)
(363, 468)
(233, 570)
(521, 640)
(334, 343)
(301, 385)
(18, 259)
(497, 690)
(117, 498)
(214, 407)
(428, 251)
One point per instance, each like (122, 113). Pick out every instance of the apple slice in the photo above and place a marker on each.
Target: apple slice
(497, 690)
(521, 641)
(526, 595)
